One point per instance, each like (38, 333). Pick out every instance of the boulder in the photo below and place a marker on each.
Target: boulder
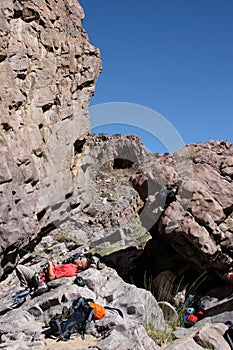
(198, 223)
(210, 336)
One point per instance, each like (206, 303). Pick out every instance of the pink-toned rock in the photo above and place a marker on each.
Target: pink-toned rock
(211, 336)
(198, 224)
(48, 74)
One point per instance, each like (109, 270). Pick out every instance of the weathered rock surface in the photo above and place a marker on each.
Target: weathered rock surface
(25, 327)
(210, 336)
(103, 192)
(107, 200)
(197, 226)
(48, 70)
(51, 171)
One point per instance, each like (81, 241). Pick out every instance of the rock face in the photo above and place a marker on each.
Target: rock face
(48, 70)
(51, 170)
(102, 193)
(107, 200)
(195, 230)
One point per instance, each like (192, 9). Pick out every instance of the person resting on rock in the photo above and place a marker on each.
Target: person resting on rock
(29, 278)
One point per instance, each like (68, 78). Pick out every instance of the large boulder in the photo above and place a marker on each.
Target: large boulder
(197, 225)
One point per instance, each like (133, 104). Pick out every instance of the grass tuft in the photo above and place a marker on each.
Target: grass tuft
(163, 339)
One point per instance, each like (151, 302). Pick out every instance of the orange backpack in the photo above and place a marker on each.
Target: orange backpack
(99, 310)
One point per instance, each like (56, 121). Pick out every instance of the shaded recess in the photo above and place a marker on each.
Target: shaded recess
(78, 146)
(120, 163)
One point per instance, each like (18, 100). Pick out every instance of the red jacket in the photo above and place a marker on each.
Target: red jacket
(62, 270)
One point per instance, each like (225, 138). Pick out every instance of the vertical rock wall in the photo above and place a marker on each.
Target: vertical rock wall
(48, 71)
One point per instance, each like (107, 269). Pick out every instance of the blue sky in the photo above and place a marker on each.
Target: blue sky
(172, 56)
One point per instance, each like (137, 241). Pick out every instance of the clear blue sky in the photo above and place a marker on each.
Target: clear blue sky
(172, 56)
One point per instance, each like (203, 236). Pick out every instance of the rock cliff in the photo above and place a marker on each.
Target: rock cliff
(64, 190)
(48, 70)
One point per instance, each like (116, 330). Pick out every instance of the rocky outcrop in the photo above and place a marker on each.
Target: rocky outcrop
(48, 70)
(196, 228)
(51, 170)
(103, 192)
(107, 200)
(191, 235)
(101, 156)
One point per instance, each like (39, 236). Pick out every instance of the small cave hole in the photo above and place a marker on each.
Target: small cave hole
(46, 107)
(41, 214)
(18, 13)
(78, 146)
(42, 23)
(120, 163)
(40, 155)
(57, 101)
(68, 195)
(228, 211)
(6, 126)
(74, 205)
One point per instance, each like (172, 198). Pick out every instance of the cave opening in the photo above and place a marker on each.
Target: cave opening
(78, 146)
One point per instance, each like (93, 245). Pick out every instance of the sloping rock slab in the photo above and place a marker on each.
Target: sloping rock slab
(25, 327)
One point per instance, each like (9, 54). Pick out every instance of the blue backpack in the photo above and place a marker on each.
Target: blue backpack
(75, 319)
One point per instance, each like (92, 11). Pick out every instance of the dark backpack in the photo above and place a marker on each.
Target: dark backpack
(77, 318)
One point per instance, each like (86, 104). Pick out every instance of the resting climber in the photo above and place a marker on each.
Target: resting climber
(27, 275)
(35, 282)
